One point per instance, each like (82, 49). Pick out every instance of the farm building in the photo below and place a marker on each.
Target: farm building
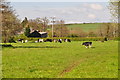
(38, 34)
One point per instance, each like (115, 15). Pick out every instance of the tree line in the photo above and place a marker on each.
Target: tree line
(12, 26)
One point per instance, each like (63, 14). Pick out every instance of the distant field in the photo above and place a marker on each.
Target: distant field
(61, 60)
(85, 27)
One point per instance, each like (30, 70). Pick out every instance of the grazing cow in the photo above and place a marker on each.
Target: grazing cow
(48, 40)
(36, 41)
(23, 41)
(105, 39)
(87, 44)
(20, 40)
(55, 40)
(40, 40)
(26, 41)
(60, 40)
(67, 40)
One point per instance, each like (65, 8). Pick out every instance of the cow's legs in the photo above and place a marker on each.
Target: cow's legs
(90, 46)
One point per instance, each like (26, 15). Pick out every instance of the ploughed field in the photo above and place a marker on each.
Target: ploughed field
(61, 60)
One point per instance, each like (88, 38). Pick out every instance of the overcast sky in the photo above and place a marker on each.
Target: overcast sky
(58, 0)
(71, 12)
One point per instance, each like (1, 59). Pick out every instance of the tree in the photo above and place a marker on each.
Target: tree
(106, 30)
(10, 22)
(77, 32)
(115, 12)
(25, 22)
(35, 24)
(44, 23)
(114, 9)
(91, 34)
(99, 32)
(27, 31)
(60, 30)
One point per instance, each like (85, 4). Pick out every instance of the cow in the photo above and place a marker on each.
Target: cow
(20, 40)
(87, 44)
(60, 40)
(105, 39)
(36, 41)
(26, 41)
(48, 40)
(67, 40)
(23, 41)
(40, 40)
(55, 40)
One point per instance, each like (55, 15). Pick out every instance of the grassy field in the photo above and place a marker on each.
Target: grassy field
(85, 27)
(61, 60)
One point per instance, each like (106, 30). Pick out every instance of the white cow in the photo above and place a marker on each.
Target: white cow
(55, 40)
(40, 40)
(36, 41)
(26, 41)
(23, 41)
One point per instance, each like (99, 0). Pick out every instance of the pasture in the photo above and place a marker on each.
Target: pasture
(61, 60)
(85, 27)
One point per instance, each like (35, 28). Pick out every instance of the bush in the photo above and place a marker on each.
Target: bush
(6, 45)
(21, 36)
(117, 38)
(86, 39)
(11, 40)
(27, 31)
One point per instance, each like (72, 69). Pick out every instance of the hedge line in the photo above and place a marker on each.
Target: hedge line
(73, 39)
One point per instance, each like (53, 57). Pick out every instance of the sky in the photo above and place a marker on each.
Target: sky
(58, 0)
(70, 12)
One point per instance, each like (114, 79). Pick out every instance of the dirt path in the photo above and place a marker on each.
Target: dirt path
(70, 67)
(75, 64)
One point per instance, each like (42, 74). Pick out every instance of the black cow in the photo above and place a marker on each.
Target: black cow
(68, 40)
(20, 40)
(87, 44)
(48, 40)
(60, 40)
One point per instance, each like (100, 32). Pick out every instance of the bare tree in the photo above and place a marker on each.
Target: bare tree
(45, 22)
(115, 11)
(60, 30)
(35, 24)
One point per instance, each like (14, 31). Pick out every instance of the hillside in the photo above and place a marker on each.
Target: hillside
(85, 27)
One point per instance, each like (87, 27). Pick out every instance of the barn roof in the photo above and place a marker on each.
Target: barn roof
(36, 33)
(42, 32)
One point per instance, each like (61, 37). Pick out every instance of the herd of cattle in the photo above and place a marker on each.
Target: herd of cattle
(46, 40)
(86, 44)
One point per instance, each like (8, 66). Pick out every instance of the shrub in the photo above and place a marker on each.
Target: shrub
(6, 45)
(27, 31)
(21, 36)
(11, 40)
(117, 38)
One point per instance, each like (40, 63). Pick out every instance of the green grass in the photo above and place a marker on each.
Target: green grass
(85, 27)
(61, 60)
